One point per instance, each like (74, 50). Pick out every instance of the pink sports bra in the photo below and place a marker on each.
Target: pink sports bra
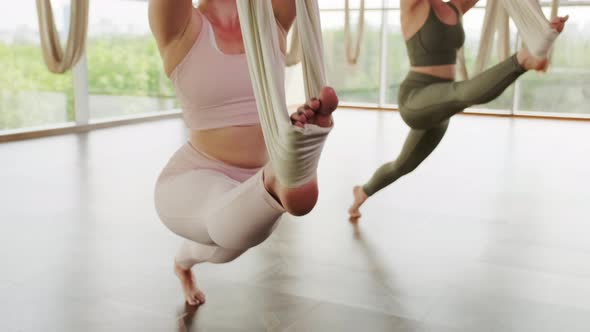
(214, 88)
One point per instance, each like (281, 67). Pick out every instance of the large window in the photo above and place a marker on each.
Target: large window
(359, 83)
(125, 75)
(30, 96)
(565, 88)
(397, 60)
(473, 23)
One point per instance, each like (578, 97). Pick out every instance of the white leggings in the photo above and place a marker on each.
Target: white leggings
(221, 210)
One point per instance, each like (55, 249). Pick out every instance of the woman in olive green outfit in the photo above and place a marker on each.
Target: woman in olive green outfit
(429, 95)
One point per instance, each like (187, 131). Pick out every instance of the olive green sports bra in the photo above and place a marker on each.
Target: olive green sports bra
(436, 43)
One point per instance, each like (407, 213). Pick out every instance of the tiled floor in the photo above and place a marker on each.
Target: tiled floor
(491, 234)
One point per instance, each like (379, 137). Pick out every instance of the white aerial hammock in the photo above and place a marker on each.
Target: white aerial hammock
(495, 21)
(56, 59)
(294, 152)
(532, 25)
(294, 51)
(353, 52)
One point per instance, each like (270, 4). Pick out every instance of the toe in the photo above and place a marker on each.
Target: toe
(301, 118)
(329, 100)
(195, 300)
(201, 297)
(314, 104)
(298, 118)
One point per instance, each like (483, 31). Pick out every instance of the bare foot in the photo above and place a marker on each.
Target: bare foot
(301, 200)
(530, 62)
(359, 198)
(192, 294)
(317, 111)
(558, 23)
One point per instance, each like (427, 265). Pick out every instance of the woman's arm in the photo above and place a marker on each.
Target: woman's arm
(464, 5)
(169, 19)
(408, 6)
(284, 12)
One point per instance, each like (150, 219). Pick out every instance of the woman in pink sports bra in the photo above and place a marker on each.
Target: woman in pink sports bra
(218, 191)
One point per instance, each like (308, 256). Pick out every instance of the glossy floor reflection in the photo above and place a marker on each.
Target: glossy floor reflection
(491, 234)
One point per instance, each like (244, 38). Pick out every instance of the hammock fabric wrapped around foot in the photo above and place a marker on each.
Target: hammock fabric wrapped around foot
(532, 25)
(294, 152)
(353, 52)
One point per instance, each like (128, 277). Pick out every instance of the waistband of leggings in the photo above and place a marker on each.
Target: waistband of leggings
(414, 77)
(202, 160)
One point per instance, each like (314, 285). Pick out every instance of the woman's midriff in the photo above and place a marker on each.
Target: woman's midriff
(241, 146)
(444, 71)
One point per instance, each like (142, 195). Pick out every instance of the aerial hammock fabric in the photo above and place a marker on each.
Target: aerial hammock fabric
(294, 152)
(294, 51)
(353, 52)
(56, 59)
(532, 25)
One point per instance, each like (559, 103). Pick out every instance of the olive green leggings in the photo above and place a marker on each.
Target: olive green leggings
(426, 104)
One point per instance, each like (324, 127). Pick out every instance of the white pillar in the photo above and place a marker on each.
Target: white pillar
(81, 103)
(383, 56)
